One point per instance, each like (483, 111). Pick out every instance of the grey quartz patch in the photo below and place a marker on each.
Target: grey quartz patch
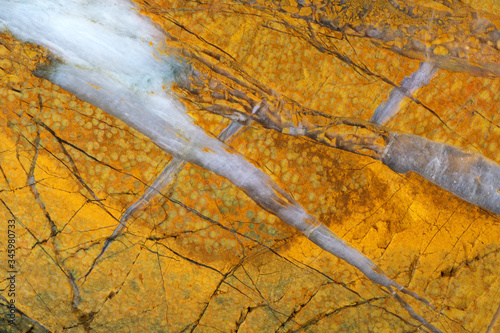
(468, 175)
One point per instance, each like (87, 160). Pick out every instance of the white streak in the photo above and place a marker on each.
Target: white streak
(422, 77)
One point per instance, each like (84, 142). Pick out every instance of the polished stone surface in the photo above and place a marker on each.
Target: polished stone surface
(203, 257)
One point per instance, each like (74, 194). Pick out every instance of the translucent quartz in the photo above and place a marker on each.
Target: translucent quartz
(469, 176)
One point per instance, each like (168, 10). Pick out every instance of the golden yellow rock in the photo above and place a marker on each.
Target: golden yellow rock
(3, 50)
(445, 38)
(441, 50)
(203, 257)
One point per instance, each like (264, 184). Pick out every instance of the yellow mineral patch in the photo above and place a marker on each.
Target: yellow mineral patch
(3, 50)
(434, 5)
(445, 38)
(440, 50)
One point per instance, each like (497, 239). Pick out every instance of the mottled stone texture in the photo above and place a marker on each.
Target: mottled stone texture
(203, 257)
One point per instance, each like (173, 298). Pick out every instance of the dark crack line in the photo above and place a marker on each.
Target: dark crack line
(244, 316)
(73, 169)
(363, 68)
(74, 215)
(239, 280)
(414, 315)
(44, 250)
(113, 293)
(257, 290)
(64, 142)
(53, 226)
(298, 308)
(191, 260)
(272, 250)
(32, 321)
(5, 177)
(451, 272)
(199, 37)
(375, 211)
(191, 327)
(394, 235)
(163, 282)
(32, 184)
(382, 308)
(158, 254)
(487, 119)
(100, 121)
(441, 227)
